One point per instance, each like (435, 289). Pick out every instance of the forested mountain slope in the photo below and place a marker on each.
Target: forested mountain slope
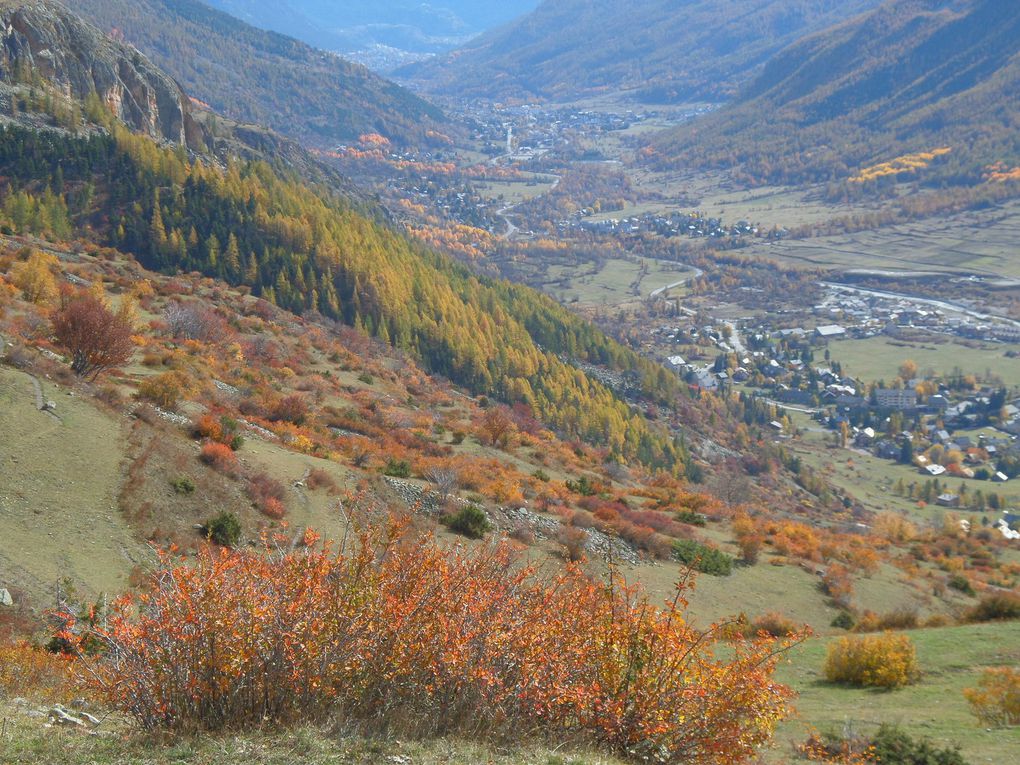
(262, 77)
(309, 249)
(663, 50)
(913, 76)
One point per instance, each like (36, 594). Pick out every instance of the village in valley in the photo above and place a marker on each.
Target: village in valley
(948, 437)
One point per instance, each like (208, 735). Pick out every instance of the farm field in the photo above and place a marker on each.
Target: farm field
(515, 192)
(879, 358)
(951, 659)
(612, 283)
(980, 242)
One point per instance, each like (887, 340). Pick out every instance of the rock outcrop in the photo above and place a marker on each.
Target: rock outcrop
(46, 38)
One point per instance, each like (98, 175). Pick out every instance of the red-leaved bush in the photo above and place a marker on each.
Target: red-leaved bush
(219, 457)
(407, 636)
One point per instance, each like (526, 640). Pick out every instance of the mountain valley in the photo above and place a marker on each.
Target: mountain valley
(580, 399)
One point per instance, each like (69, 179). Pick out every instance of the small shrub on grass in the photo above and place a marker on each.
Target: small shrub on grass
(844, 620)
(219, 457)
(164, 390)
(999, 606)
(224, 530)
(320, 479)
(222, 430)
(962, 584)
(584, 486)
(899, 619)
(703, 558)
(775, 624)
(268, 494)
(888, 660)
(574, 541)
(691, 518)
(470, 521)
(893, 746)
(183, 485)
(889, 746)
(996, 700)
(397, 468)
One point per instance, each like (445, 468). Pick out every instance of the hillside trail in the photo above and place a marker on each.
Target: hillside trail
(40, 402)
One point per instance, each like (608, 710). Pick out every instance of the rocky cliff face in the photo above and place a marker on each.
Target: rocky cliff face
(77, 57)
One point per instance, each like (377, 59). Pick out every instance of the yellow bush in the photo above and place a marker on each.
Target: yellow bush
(34, 277)
(164, 390)
(888, 660)
(29, 671)
(996, 700)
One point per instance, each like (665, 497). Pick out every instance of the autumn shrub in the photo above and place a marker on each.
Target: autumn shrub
(776, 624)
(219, 457)
(26, 670)
(900, 619)
(897, 619)
(224, 529)
(886, 660)
(996, 699)
(406, 636)
(164, 390)
(838, 585)
(191, 321)
(293, 409)
(574, 541)
(34, 277)
(470, 521)
(996, 606)
(701, 557)
(268, 494)
(320, 479)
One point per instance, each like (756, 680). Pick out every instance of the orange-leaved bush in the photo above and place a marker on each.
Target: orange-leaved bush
(887, 660)
(996, 700)
(28, 670)
(401, 634)
(219, 457)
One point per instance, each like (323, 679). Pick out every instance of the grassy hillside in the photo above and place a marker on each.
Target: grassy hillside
(912, 77)
(661, 50)
(951, 659)
(262, 77)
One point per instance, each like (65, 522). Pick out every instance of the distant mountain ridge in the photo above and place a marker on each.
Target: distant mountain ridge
(266, 78)
(663, 50)
(912, 76)
(356, 24)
